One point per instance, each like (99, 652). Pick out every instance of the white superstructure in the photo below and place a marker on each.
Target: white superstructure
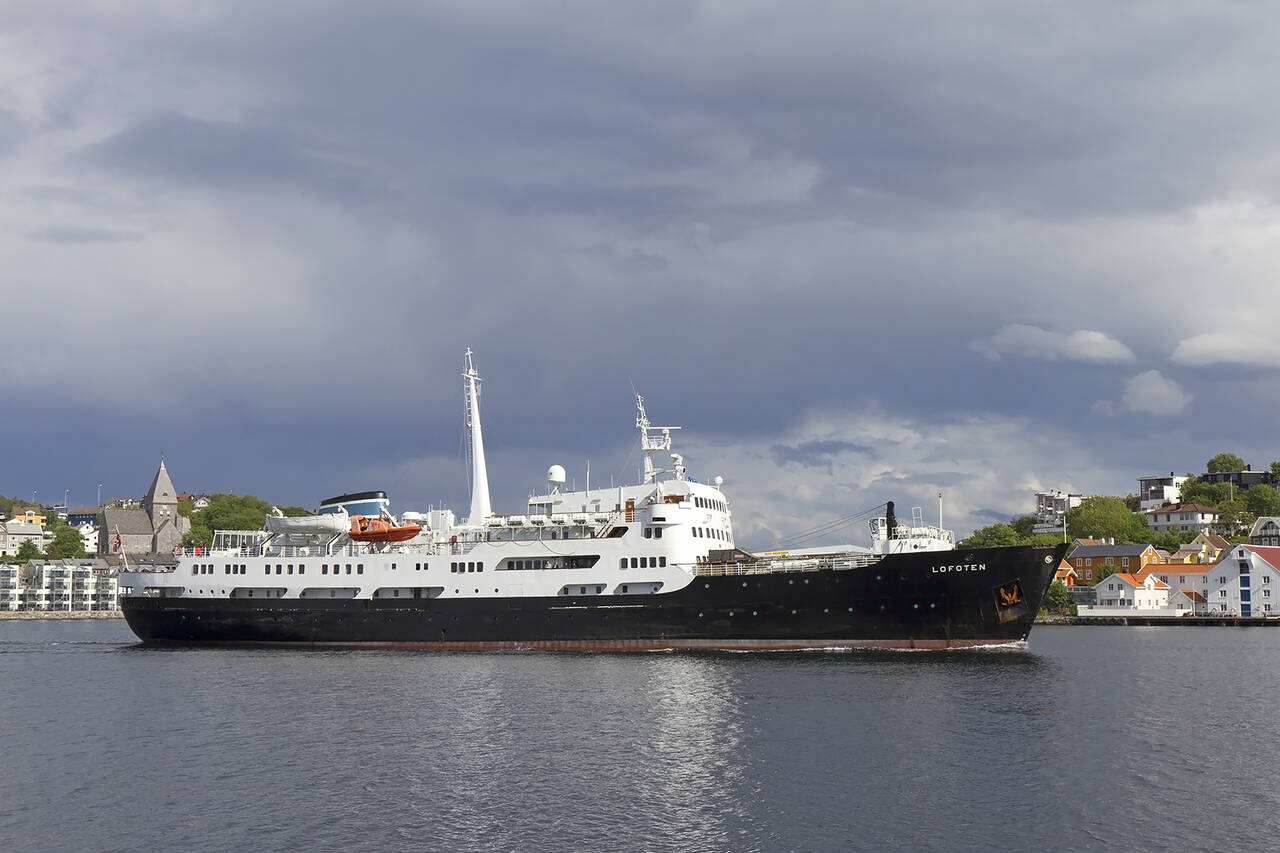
(652, 537)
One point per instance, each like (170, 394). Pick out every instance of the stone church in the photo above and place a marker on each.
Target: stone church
(156, 528)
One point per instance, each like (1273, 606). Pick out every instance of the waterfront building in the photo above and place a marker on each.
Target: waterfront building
(10, 586)
(155, 528)
(1066, 574)
(1088, 560)
(1189, 517)
(1155, 492)
(1127, 594)
(1188, 602)
(1189, 578)
(1246, 582)
(69, 586)
(1265, 531)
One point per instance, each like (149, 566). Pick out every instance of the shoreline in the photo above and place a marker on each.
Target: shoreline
(1150, 621)
(21, 615)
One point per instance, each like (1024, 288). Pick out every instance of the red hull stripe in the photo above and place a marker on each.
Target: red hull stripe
(656, 645)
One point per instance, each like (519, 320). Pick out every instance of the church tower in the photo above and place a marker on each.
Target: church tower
(161, 505)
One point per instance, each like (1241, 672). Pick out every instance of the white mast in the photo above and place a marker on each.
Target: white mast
(480, 508)
(652, 444)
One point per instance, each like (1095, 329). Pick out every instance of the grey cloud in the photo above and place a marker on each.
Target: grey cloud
(815, 454)
(186, 149)
(74, 234)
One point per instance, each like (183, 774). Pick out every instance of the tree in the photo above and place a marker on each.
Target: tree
(1234, 515)
(1262, 500)
(28, 551)
(226, 512)
(67, 542)
(1023, 525)
(1275, 470)
(1106, 517)
(1224, 462)
(993, 535)
(1206, 494)
(1056, 601)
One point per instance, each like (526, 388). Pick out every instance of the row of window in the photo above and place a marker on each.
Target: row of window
(710, 533)
(227, 569)
(653, 533)
(710, 503)
(460, 567)
(643, 562)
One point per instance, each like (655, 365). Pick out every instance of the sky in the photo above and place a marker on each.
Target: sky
(859, 252)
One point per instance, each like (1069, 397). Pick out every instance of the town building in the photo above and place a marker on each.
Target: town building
(1265, 531)
(10, 586)
(14, 532)
(69, 586)
(1155, 492)
(1242, 480)
(1051, 510)
(1189, 517)
(1088, 560)
(1246, 582)
(1127, 594)
(1189, 578)
(155, 528)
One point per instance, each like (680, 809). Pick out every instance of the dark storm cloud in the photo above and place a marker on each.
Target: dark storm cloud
(815, 454)
(185, 149)
(749, 213)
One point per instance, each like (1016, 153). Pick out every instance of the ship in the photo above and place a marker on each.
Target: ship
(652, 566)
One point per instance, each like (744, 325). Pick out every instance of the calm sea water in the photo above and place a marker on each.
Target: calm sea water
(1089, 739)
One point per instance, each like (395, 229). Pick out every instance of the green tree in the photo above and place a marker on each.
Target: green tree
(1206, 494)
(28, 551)
(67, 542)
(1224, 462)
(226, 512)
(1235, 515)
(1056, 601)
(1023, 525)
(1262, 500)
(1275, 470)
(993, 535)
(1102, 517)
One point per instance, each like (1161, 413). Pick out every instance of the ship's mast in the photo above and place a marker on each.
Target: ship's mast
(480, 508)
(652, 444)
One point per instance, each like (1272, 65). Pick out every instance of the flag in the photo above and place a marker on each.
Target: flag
(117, 541)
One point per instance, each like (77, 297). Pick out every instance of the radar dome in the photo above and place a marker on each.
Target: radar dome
(555, 475)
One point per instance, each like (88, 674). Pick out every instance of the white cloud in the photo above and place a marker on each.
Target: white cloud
(1084, 345)
(1228, 348)
(1154, 394)
(987, 467)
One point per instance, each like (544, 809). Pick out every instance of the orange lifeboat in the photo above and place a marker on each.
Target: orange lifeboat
(365, 529)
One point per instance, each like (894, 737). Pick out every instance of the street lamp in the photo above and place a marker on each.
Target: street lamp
(65, 506)
(99, 496)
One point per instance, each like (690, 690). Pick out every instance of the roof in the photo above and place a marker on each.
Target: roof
(1261, 522)
(1193, 595)
(1180, 569)
(1270, 553)
(127, 522)
(1109, 551)
(1139, 580)
(1217, 541)
(161, 490)
(1197, 508)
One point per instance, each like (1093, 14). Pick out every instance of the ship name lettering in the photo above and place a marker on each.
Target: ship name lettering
(960, 567)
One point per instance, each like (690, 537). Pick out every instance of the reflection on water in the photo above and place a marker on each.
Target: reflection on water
(237, 749)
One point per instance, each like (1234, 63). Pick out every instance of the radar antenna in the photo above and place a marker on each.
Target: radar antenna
(651, 444)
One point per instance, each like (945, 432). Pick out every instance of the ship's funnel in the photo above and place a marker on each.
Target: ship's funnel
(480, 507)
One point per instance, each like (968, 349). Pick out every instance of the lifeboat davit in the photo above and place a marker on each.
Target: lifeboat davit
(365, 529)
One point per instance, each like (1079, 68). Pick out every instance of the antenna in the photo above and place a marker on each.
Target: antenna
(651, 444)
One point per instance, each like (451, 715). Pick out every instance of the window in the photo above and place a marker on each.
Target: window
(657, 533)
(1124, 561)
(1222, 593)
(359, 568)
(662, 561)
(1088, 561)
(1266, 578)
(324, 569)
(1266, 593)
(622, 564)
(648, 533)
(1182, 578)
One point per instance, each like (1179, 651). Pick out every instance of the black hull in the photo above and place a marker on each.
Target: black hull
(952, 599)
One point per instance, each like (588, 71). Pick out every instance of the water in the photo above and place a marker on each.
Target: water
(1090, 739)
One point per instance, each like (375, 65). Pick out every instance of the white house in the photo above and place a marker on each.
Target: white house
(1155, 492)
(1265, 531)
(14, 532)
(1204, 519)
(1188, 602)
(1125, 594)
(1246, 582)
(1192, 578)
(10, 586)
